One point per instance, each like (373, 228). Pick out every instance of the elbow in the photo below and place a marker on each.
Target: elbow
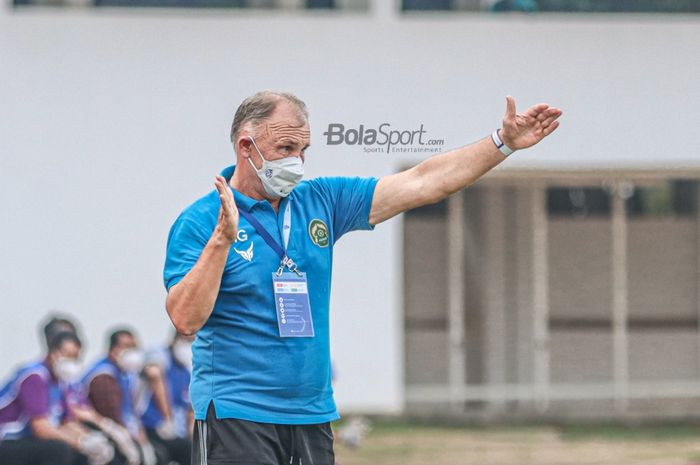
(182, 325)
(186, 330)
(178, 317)
(38, 427)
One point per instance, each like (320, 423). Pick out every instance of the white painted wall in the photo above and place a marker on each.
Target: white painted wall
(112, 121)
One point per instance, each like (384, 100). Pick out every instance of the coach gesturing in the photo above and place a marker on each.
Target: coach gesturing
(248, 270)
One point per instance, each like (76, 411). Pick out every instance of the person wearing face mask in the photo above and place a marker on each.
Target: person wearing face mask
(166, 412)
(37, 425)
(112, 384)
(248, 270)
(127, 451)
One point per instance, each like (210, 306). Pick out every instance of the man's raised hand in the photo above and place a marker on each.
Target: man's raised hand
(227, 225)
(522, 130)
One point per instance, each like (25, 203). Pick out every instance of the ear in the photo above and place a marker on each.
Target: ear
(243, 146)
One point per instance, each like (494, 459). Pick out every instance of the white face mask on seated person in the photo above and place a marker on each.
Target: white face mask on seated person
(68, 370)
(131, 360)
(182, 351)
(278, 177)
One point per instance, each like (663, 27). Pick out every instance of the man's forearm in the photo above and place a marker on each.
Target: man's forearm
(43, 429)
(191, 301)
(452, 171)
(433, 179)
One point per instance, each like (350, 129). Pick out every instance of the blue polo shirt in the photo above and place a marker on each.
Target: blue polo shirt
(241, 364)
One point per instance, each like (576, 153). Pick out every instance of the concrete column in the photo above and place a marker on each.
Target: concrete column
(620, 301)
(494, 288)
(455, 299)
(290, 4)
(386, 10)
(540, 272)
(524, 288)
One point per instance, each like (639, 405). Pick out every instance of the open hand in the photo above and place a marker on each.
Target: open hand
(522, 130)
(227, 225)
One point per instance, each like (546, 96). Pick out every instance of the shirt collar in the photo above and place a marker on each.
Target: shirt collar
(242, 201)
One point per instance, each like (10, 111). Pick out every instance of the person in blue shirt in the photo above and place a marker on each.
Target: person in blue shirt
(112, 384)
(37, 423)
(166, 411)
(248, 270)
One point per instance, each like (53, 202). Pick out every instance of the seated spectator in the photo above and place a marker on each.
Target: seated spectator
(37, 426)
(112, 385)
(127, 450)
(168, 417)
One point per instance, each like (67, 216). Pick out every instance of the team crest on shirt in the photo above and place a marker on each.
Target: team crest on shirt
(246, 254)
(318, 231)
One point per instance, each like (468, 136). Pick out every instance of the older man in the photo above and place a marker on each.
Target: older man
(248, 269)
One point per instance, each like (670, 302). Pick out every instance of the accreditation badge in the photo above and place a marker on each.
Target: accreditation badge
(292, 304)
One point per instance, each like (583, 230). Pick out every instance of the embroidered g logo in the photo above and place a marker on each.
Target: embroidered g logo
(318, 231)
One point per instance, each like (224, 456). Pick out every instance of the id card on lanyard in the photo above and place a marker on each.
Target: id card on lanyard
(289, 284)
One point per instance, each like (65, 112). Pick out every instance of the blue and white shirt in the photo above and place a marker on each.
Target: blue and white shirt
(128, 387)
(241, 364)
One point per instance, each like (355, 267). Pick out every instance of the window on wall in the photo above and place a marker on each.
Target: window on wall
(270, 4)
(578, 201)
(568, 6)
(673, 198)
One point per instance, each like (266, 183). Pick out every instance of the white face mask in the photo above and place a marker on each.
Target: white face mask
(182, 351)
(278, 177)
(131, 360)
(68, 370)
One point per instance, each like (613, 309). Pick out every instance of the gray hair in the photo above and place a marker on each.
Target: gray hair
(257, 108)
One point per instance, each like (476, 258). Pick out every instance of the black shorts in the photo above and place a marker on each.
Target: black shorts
(231, 441)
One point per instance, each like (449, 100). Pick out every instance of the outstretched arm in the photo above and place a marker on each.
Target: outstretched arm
(446, 173)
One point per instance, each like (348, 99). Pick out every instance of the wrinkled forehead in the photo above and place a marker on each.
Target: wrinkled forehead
(295, 131)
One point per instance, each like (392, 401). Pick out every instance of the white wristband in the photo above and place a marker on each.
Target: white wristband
(500, 145)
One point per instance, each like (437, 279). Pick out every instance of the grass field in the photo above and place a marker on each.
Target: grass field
(392, 443)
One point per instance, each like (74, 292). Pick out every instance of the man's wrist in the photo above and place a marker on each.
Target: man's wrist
(220, 239)
(500, 144)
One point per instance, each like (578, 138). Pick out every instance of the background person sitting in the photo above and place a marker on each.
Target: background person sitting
(167, 413)
(37, 426)
(81, 408)
(112, 385)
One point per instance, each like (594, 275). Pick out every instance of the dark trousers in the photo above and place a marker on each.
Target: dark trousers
(30, 451)
(231, 441)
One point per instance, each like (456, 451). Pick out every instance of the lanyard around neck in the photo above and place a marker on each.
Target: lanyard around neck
(285, 261)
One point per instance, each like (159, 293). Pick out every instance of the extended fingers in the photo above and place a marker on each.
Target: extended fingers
(536, 110)
(549, 117)
(550, 129)
(225, 195)
(549, 112)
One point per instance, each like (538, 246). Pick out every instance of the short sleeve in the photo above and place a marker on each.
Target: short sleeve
(351, 200)
(186, 241)
(106, 397)
(34, 397)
